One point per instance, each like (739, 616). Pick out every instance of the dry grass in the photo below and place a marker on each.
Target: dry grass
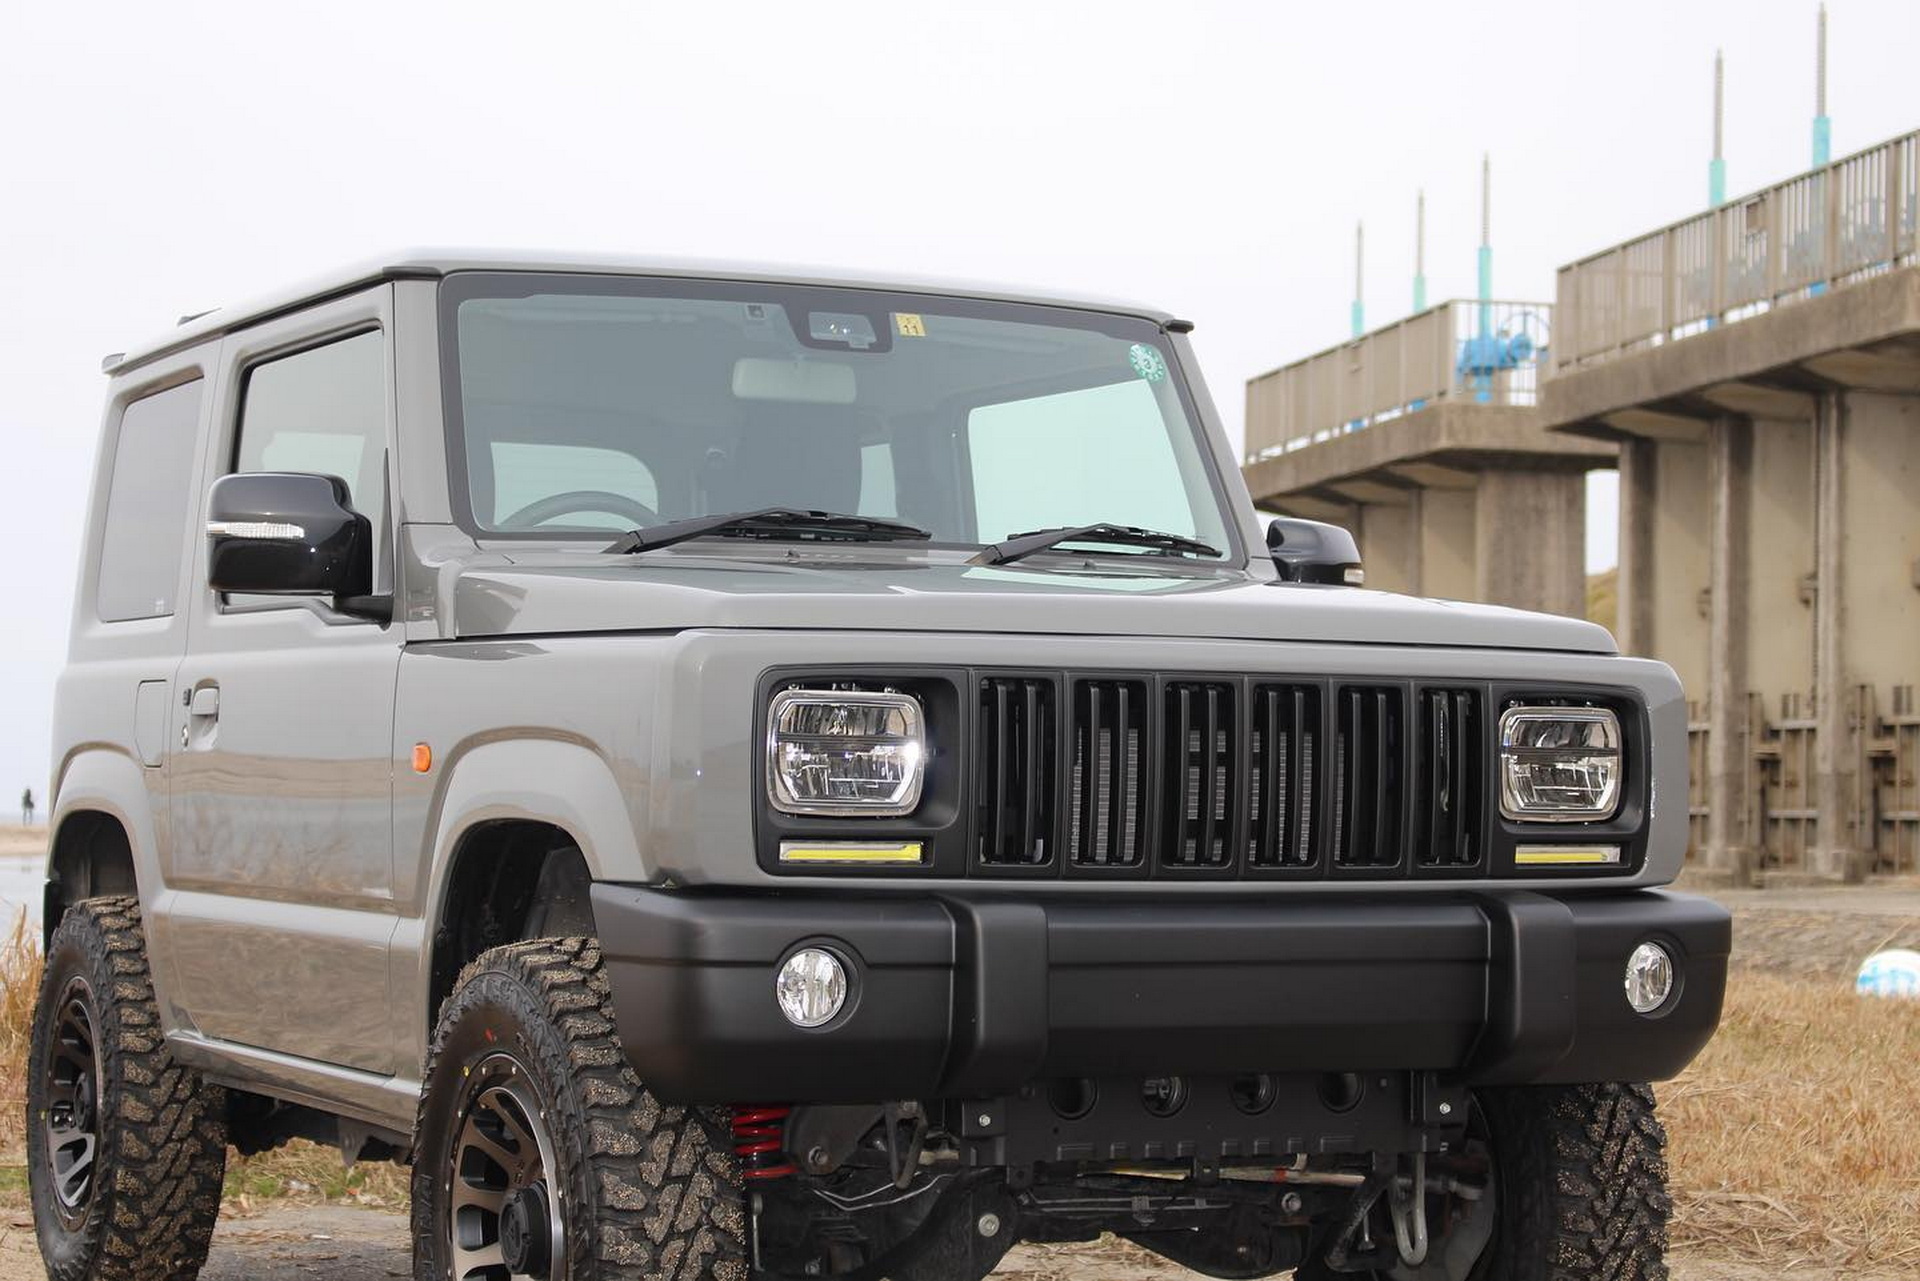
(1603, 598)
(1796, 1135)
(20, 964)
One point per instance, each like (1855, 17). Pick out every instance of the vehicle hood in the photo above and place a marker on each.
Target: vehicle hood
(494, 594)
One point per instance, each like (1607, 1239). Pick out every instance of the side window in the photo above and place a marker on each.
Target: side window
(147, 501)
(323, 410)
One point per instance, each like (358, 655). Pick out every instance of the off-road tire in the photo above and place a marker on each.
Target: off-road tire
(1582, 1180)
(648, 1190)
(162, 1146)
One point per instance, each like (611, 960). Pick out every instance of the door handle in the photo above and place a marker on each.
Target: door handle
(203, 713)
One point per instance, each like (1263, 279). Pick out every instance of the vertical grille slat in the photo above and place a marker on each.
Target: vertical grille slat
(1451, 773)
(1109, 774)
(1201, 768)
(1015, 781)
(1368, 788)
(1286, 721)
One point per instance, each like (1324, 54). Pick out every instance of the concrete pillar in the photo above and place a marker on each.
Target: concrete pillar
(1416, 542)
(1447, 558)
(1638, 502)
(1730, 837)
(1837, 847)
(1530, 537)
(1387, 535)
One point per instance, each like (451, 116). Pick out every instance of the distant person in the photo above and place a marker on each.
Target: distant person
(26, 808)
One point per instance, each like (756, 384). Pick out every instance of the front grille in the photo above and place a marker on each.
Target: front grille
(1228, 777)
(1014, 782)
(1108, 797)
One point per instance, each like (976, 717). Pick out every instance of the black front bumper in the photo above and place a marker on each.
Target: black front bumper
(970, 997)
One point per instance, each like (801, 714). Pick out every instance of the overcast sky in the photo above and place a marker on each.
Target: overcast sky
(1211, 157)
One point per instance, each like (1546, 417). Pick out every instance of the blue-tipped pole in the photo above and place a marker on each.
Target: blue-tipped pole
(1483, 382)
(1717, 167)
(1822, 123)
(1359, 262)
(1420, 253)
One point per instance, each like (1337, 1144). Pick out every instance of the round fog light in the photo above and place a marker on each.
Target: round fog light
(1649, 978)
(812, 986)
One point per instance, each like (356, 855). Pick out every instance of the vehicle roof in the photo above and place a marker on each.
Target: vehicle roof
(428, 264)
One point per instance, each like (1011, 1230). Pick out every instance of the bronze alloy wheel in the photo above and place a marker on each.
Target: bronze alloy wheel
(70, 1121)
(505, 1212)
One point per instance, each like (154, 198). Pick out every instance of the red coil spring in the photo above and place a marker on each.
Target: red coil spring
(759, 1129)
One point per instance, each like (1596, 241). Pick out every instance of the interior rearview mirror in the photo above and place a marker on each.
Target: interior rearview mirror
(800, 382)
(1312, 551)
(288, 534)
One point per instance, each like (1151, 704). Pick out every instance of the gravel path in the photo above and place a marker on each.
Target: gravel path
(294, 1243)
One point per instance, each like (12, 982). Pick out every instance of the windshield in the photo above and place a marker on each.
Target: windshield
(587, 404)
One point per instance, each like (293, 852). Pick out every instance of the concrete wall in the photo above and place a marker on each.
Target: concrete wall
(1880, 539)
(1677, 564)
(1780, 539)
(1387, 546)
(1447, 543)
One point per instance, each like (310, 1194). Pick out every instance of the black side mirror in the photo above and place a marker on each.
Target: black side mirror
(288, 534)
(1312, 551)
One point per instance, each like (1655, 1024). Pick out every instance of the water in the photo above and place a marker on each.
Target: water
(21, 882)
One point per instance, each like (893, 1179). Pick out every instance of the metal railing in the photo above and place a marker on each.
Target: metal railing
(1485, 351)
(1825, 229)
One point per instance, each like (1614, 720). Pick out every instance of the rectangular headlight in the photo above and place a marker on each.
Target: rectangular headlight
(842, 752)
(1559, 764)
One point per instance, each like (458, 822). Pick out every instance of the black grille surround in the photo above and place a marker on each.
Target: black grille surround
(1206, 777)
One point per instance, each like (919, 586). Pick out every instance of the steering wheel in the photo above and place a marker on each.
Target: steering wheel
(582, 500)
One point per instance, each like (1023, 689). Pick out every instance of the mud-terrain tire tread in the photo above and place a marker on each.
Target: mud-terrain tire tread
(1582, 1172)
(163, 1148)
(655, 1188)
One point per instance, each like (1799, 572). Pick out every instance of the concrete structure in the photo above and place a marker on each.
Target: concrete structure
(1758, 368)
(1423, 438)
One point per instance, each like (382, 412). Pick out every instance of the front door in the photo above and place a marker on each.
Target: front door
(281, 876)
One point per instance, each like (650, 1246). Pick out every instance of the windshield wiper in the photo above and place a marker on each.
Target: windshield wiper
(1040, 540)
(770, 522)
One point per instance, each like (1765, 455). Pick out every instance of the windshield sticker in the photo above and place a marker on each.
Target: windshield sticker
(1147, 362)
(909, 324)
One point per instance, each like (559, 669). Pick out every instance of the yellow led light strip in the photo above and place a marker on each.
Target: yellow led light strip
(907, 854)
(1567, 855)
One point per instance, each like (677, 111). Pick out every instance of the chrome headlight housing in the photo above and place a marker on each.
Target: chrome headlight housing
(1560, 764)
(845, 752)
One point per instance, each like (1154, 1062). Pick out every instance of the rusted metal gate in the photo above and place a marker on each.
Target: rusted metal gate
(1783, 755)
(1891, 776)
(1698, 729)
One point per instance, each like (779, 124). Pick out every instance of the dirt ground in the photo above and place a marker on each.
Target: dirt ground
(293, 1243)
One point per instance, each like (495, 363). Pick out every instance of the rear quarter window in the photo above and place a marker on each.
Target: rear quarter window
(147, 499)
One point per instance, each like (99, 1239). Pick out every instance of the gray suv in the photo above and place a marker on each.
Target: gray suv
(734, 773)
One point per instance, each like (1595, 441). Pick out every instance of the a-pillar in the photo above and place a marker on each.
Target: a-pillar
(1837, 848)
(1530, 536)
(1730, 838)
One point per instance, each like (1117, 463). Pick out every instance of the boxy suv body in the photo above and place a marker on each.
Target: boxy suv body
(735, 772)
